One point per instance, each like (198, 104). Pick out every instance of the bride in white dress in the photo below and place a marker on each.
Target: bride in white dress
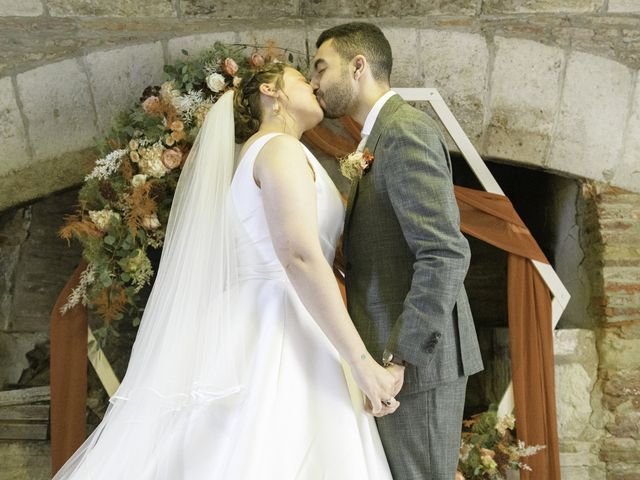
(236, 372)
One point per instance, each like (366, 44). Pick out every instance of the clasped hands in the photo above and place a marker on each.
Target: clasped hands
(387, 405)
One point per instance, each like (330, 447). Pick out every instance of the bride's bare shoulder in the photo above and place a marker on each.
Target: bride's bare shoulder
(281, 148)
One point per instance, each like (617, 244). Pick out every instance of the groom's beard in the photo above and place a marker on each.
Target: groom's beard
(338, 100)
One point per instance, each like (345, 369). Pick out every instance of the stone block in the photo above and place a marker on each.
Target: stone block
(57, 103)
(196, 44)
(235, 9)
(617, 352)
(623, 471)
(581, 457)
(623, 6)
(573, 398)
(24, 8)
(13, 350)
(385, 8)
(525, 90)
(591, 121)
(582, 473)
(118, 77)
(15, 152)
(626, 425)
(540, 6)
(620, 450)
(404, 46)
(112, 8)
(42, 178)
(627, 171)
(456, 64)
(623, 383)
(25, 459)
(576, 345)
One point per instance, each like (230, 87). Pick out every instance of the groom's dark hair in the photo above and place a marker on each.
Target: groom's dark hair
(360, 38)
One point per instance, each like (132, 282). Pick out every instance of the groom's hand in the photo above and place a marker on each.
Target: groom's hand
(398, 374)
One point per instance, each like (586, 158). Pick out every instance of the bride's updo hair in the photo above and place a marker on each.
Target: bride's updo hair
(247, 109)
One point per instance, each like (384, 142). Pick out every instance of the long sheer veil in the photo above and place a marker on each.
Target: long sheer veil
(188, 348)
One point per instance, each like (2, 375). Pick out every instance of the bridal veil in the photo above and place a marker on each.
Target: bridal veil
(188, 350)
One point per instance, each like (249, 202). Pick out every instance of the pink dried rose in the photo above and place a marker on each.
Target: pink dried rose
(171, 158)
(230, 67)
(256, 60)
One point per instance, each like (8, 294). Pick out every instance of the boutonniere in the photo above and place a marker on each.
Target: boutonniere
(356, 164)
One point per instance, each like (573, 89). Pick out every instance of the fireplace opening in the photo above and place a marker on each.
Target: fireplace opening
(552, 208)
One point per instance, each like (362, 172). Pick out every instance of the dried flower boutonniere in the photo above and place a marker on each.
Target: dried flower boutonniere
(356, 164)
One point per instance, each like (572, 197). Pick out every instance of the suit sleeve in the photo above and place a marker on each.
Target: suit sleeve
(420, 189)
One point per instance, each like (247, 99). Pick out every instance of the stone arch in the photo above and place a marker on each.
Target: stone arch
(517, 99)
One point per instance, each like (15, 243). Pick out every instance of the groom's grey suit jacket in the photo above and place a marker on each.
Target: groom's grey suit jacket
(406, 257)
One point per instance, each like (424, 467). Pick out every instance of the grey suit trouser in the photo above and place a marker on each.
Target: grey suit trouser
(422, 438)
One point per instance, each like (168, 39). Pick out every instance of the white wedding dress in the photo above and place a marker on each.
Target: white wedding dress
(299, 415)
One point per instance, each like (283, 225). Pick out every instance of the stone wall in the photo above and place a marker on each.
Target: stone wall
(547, 83)
(617, 303)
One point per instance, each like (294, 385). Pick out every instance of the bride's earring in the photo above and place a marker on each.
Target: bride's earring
(276, 107)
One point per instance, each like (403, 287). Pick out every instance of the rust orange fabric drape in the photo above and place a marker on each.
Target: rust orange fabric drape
(484, 215)
(492, 218)
(68, 370)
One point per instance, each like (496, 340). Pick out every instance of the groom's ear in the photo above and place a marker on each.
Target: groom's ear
(359, 64)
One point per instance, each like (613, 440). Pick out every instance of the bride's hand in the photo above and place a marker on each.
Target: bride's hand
(378, 385)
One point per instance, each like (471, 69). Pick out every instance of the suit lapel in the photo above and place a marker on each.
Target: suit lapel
(378, 127)
(352, 197)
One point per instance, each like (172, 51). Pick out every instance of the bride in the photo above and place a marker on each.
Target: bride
(238, 370)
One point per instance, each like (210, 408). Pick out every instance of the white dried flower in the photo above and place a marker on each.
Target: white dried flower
(102, 218)
(107, 166)
(216, 82)
(504, 423)
(186, 105)
(151, 222)
(79, 294)
(138, 180)
(151, 161)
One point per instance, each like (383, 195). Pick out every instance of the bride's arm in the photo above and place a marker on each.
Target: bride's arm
(289, 195)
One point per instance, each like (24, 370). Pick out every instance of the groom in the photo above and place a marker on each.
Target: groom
(406, 258)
